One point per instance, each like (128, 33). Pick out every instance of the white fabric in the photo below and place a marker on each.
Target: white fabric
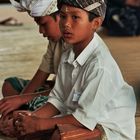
(92, 89)
(92, 6)
(36, 8)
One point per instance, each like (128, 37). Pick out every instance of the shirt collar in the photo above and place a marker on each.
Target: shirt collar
(84, 55)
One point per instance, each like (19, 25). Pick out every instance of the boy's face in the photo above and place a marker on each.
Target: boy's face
(49, 27)
(75, 25)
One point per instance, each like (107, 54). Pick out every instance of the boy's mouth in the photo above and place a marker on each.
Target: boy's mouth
(67, 34)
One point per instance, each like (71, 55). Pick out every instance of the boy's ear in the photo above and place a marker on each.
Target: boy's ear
(96, 23)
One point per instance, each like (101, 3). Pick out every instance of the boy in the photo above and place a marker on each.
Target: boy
(49, 27)
(89, 88)
(42, 12)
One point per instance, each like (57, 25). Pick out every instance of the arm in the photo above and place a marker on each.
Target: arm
(46, 111)
(11, 103)
(38, 80)
(51, 122)
(45, 69)
(30, 124)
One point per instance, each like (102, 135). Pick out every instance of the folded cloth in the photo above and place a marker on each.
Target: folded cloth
(36, 8)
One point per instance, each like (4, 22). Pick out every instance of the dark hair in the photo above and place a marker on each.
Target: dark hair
(91, 16)
(54, 15)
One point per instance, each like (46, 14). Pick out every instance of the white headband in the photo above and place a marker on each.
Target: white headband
(92, 6)
(36, 8)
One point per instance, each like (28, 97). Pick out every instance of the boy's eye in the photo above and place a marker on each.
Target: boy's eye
(62, 16)
(75, 17)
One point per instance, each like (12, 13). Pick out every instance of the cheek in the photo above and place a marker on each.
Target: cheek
(44, 28)
(61, 26)
(81, 29)
(52, 30)
(83, 33)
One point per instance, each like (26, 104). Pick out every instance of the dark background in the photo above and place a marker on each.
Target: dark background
(4, 1)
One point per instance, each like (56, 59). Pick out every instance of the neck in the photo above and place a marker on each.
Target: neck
(80, 46)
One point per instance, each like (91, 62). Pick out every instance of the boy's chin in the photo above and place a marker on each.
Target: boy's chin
(70, 41)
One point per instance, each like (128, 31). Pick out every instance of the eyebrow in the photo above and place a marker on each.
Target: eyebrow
(62, 12)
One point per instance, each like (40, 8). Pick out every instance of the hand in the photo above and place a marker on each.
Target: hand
(6, 126)
(17, 113)
(25, 123)
(133, 2)
(9, 104)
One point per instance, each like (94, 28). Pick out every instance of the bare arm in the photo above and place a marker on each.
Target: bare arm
(51, 122)
(11, 103)
(33, 123)
(38, 80)
(46, 111)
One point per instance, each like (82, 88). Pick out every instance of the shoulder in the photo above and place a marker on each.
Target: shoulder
(60, 44)
(53, 44)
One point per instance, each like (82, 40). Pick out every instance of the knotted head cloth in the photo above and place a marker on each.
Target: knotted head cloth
(36, 8)
(98, 7)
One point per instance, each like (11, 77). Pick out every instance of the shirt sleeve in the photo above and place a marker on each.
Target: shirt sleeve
(56, 96)
(47, 60)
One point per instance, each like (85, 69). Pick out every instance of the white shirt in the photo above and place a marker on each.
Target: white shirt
(92, 89)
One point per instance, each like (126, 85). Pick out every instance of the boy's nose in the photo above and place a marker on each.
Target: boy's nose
(67, 23)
